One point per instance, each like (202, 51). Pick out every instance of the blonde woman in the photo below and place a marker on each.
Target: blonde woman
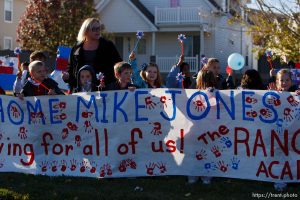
(92, 49)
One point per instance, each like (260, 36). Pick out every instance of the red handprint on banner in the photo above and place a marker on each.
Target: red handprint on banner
(251, 100)
(74, 164)
(93, 167)
(292, 101)
(199, 105)
(149, 103)
(274, 101)
(156, 129)
(287, 114)
(162, 167)
(251, 113)
(105, 170)
(122, 166)
(15, 111)
(86, 114)
(61, 116)
(44, 166)
(22, 133)
(150, 168)
(60, 105)
(83, 166)
(163, 102)
(131, 163)
(222, 166)
(54, 166)
(78, 140)
(64, 133)
(265, 112)
(71, 126)
(201, 155)
(215, 150)
(108, 170)
(88, 126)
(63, 165)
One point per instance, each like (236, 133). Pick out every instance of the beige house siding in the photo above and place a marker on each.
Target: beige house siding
(8, 29)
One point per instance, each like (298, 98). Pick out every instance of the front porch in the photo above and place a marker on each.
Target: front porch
(165, 63)
(180, 15)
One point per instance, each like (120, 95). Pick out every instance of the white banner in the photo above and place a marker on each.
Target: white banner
(238, 134)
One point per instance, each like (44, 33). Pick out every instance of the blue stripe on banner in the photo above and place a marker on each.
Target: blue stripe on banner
(7, 81)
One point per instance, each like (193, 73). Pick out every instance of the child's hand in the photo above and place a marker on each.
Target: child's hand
(181, 59)
(51, 92)
(132, 56)
(20, 96)
(131, 88)
(19, 74)
(65, 76)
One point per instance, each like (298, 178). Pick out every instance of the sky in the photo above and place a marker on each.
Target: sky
(292, 4)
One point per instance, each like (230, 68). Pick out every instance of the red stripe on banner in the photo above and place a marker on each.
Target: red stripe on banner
(6, 70)
(61, 64)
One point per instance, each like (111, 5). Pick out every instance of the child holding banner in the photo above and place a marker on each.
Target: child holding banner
(39, 84)
(123, 72)
(21, 78)
(205, 81)
(148, 77)
(213, 65)
(180, 67)
(252, 80)
(283, 82)
(86, 79)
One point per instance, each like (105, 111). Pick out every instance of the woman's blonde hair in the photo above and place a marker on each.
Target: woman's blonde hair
(210, 61)
(157, 82)
(205, 79)
(86, 26)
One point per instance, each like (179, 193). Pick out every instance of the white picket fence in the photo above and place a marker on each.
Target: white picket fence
(165, 63)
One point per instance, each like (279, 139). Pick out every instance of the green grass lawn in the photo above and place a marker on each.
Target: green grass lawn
(24, 186)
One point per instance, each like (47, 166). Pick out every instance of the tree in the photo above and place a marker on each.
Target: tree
(274, 25)
(47, 24)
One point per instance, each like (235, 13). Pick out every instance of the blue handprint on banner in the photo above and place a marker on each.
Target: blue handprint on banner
(235, 163)
(226, 141)
(210, 166)
(297, 113)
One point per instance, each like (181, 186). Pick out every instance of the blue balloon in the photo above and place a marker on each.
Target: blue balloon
(236, 61)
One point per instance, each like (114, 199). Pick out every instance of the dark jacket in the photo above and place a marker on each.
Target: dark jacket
(2, 91)
(106, 57)
(116, 86)
(224, 84)
(293, 88)
(29, 88)
(94, 79)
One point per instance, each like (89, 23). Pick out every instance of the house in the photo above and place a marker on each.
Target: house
(203, 22)
(12, 10)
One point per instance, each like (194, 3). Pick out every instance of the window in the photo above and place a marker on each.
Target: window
(8, 8)
(7, 43)
(141, 49)
(174, 3)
